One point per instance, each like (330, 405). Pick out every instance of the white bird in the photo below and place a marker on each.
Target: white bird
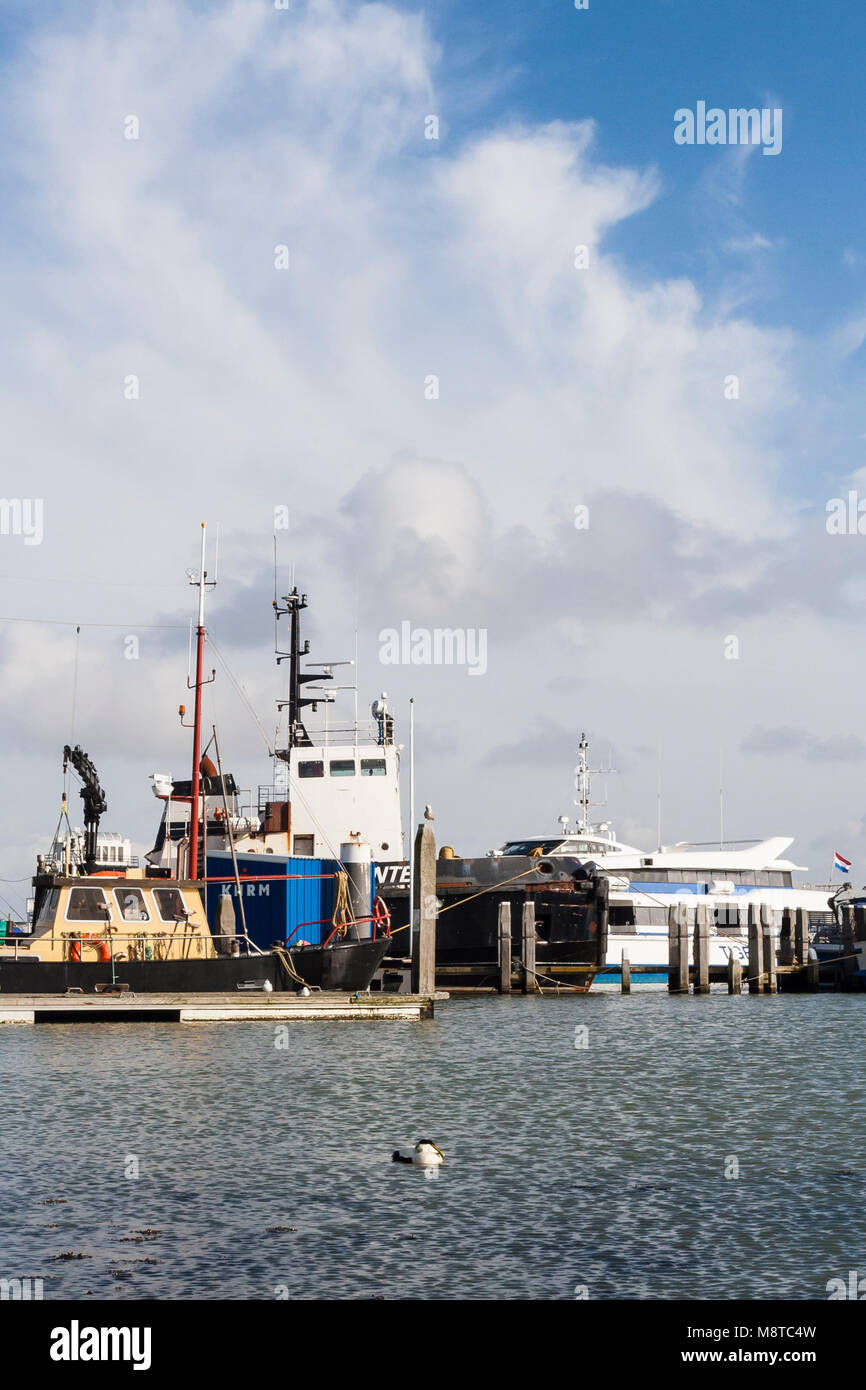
(426, 1155)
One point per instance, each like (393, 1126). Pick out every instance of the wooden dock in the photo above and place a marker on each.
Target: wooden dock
(212, 1008)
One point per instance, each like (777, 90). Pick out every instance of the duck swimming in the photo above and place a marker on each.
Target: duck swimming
(425, 1155)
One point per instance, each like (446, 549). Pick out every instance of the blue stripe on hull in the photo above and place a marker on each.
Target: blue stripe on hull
(613, 975)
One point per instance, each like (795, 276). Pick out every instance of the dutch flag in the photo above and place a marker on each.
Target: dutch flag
(841, 863)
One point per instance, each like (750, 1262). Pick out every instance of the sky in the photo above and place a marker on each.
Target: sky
(549, 375)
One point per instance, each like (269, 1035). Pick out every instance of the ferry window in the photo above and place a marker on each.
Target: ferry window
(621, 915)
(343, 767)
(777, 879)
(372, 767)
(87, 905)
(311, 769)
(675, 876)
(530, 846)
(169, 903)
(131, 904)
(651, 916)
(787, 881)
(49, 905)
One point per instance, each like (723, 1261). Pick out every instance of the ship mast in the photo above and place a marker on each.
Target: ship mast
(583, 785)
(297, 701)
(583, 775)
(200, 582)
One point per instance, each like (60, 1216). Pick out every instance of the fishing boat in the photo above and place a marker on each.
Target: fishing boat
(99, 922)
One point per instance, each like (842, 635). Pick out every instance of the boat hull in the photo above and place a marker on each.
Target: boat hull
(142, 977)
(347, 965)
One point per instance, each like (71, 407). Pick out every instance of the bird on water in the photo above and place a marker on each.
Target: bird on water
(425, 1155)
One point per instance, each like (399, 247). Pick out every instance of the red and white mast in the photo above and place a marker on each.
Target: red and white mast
(200, 581)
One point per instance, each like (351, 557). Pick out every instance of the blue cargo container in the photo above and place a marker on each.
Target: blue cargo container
(281, 907)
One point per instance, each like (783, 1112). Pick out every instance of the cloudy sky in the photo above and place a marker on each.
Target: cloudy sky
(162, 366)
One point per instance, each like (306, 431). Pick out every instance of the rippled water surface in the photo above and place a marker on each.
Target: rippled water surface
(600, 1166)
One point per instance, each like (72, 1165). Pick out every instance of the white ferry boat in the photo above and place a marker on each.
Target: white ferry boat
(643, 884)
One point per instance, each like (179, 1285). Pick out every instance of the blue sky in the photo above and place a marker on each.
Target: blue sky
(629, 64)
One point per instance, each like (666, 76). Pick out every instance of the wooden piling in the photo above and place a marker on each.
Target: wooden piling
(849, 964)
(756, 951)
(735, 974)
(625, 967)
(678, 948)
(424, 906)
(530, 981)
(787, 946)
(801, 936)
(701, 950)
(768, 932)
(505, 948)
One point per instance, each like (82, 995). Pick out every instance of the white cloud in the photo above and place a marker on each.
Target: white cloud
(408, 258)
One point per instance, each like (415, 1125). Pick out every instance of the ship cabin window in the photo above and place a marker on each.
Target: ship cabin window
(303, 845)
(531, 846)
(580, 848)
(343, 767)
(87, 905)
(311, 769)
(131, 903)
(372, 767)
(621, 915)
(728, 916)
(49, 906)
(169, 904)
(651, 916)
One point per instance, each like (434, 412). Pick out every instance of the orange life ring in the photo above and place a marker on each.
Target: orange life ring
(381, 916)
(93, 938)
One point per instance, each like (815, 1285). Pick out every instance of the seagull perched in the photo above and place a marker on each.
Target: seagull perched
(428, 813)
(426, 1155)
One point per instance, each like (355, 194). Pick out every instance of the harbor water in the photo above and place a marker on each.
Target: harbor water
(639, 1147)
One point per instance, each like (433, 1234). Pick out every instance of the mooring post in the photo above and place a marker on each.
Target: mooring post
(849, 964)
(424, 904)
(735, 974)
(530, 981)
(684, 949)
(678, 948)
(505, 948)
(787, 948)
(702, 949)
(756, 951)
(673, 949)
(768, 931)
(625, 967)
(801, 936)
